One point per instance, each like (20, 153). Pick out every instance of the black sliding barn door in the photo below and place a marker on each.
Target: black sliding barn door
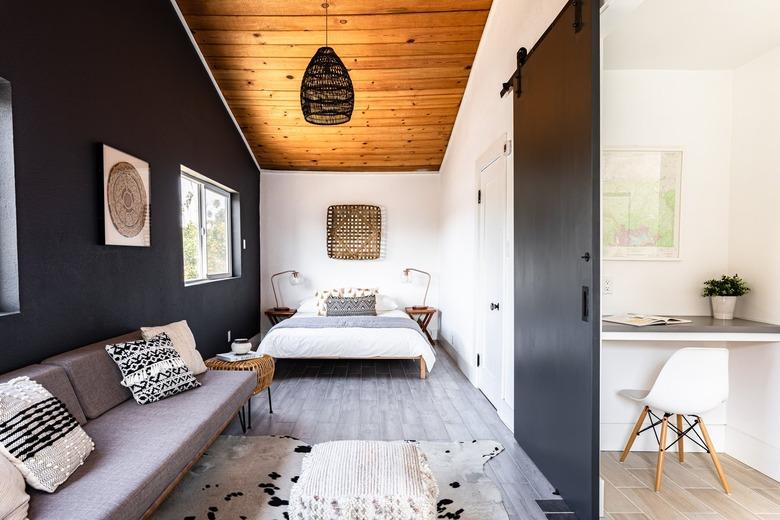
(556, 192)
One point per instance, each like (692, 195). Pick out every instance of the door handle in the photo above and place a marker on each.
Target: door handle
(585, 303)
(494, 307)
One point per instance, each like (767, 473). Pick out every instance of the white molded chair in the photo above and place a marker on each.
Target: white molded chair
(692, 382)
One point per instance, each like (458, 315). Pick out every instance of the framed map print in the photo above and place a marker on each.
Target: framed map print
(125, 199)
(641, 204)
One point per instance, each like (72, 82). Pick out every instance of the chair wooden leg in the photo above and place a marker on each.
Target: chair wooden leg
(680, 445)
(634, 433)
(714, 455)
(659, 469)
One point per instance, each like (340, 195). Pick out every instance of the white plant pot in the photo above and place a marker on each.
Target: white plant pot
(723, 307)
(241, 346)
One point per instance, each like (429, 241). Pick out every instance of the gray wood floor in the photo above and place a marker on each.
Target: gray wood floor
(321, 400)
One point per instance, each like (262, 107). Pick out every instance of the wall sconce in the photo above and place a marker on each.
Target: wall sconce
(295, 279)
(406, 277)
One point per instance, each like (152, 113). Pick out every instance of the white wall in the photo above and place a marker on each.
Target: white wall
(293, 233)
(690, 110)
(738, 135)
(754, 252)
(483, 119)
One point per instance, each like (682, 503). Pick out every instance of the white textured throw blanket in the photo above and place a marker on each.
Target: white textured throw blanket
(364, 480)
(252, 477)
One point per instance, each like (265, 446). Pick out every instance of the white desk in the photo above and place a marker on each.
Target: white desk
(701, 328)
(631, 357)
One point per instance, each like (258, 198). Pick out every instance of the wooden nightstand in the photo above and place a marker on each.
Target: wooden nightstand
(279, 315)
(423, 318)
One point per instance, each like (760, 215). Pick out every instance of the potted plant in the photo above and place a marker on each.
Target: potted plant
(723, 295)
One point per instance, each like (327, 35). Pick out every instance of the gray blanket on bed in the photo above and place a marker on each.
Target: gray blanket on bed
(342, 322)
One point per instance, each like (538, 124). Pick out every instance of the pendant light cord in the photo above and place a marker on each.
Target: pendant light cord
(326, 23)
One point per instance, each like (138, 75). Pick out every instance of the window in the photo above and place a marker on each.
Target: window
(207, 228)
(9, 261)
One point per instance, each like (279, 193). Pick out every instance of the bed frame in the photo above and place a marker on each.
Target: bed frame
(418, 359)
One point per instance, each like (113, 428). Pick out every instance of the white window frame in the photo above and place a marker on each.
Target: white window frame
(205, 184)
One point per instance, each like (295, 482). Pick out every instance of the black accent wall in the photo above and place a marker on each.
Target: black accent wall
(122, 73)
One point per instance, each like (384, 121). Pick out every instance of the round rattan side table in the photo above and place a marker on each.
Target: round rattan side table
(263, 367)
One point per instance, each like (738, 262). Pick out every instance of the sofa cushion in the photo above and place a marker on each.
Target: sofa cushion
(55, 380)
(141, 449)
(94, 376)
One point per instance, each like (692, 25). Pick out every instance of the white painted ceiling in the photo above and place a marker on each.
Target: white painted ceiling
(688, 34)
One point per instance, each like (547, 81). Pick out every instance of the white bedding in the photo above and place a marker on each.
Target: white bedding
(350, 342)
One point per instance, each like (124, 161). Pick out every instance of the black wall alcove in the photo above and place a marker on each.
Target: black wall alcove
(122, 73)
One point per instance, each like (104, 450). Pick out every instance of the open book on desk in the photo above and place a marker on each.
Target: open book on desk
(643, 320)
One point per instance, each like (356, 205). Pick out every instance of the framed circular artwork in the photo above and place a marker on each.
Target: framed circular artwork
(126, 199)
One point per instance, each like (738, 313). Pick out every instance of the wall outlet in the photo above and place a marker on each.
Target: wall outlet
(229, 336)
(608, 286)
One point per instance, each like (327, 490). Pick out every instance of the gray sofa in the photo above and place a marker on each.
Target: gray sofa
(141, 452)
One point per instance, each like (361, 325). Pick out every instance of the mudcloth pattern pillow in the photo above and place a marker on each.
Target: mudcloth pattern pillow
(361, 306)
(348, 292)
(39, 435)
(152, 369)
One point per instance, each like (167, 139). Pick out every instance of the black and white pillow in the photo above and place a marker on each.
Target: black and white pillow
(359, 306)
(152, 369)
(39, 435)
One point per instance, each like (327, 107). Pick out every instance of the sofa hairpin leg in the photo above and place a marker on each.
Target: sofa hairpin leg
(242, 418)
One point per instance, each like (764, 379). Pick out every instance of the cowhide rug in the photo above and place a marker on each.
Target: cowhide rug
(249, 478)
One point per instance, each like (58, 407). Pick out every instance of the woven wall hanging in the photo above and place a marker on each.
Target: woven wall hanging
(354, 232)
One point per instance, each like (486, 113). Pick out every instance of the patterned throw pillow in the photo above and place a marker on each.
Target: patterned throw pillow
(39, 435)
(152, 369)
(348, 292)
(361, 306)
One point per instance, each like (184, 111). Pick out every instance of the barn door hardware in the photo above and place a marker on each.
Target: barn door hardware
(577, 4)
(514, 81)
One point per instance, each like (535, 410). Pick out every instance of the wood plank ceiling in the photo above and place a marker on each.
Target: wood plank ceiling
(409, 61)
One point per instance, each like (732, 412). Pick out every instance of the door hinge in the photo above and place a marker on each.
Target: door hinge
(508, 147)
(477, 359)
(479, 196)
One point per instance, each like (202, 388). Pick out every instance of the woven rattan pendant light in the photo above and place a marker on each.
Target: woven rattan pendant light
(327, 96)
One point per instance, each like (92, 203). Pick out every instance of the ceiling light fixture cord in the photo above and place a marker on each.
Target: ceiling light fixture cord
(325, 5)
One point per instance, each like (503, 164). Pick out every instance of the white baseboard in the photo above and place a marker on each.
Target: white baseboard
(753, 452)
(504, 411)
(614, 437)
(468, 369)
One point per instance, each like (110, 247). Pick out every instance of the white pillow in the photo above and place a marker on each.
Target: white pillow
(308, 305)
(384, 303)
(14, 500)
(27, 410)
(183, 341)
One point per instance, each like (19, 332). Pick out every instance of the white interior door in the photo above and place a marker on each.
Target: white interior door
(490, 304)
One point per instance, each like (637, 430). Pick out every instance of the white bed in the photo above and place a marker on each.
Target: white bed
(350, 343)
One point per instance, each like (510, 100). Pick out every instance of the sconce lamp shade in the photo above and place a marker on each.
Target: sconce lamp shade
(295, 279)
